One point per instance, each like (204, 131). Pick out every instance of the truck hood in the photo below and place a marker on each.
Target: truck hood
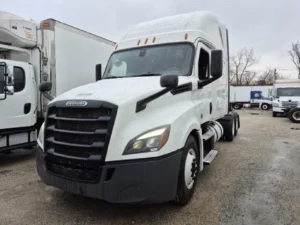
(265, 98)
(117, 91)
(292, 98)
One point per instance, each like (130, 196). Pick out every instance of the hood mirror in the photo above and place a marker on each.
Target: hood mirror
(169, 81)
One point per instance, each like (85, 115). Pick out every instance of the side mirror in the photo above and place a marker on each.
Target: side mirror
(45, 86)
(216, 68)
(2, 78)
(216, 63)
(98, 72)
(169, 81)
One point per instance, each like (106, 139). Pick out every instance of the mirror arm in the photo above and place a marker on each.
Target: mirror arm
(201, 84)
(46, 95)
(142, 104)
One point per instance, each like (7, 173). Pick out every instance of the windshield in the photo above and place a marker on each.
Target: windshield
(288, 92)
(175, 59)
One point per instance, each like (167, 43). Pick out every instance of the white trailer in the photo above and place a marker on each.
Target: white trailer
(252, 96)
(33, 53)
(286, 94)
(145, 130)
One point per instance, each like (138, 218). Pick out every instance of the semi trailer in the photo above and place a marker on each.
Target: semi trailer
(147, 127)
(32, 53)
(252, 96)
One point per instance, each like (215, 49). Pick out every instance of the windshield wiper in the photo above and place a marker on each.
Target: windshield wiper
(138, 75)
(112, 77)
(146, 75)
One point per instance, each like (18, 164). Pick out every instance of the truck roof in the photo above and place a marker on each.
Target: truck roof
(199, 24)
(50, 24)
(287, 81)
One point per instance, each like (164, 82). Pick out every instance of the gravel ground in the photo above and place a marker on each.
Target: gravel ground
(253, 180)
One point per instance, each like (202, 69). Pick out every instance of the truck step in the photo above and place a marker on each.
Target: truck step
(210, 157)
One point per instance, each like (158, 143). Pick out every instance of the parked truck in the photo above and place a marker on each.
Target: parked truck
(286, 101)
(252, 96)
(32, 53)
(145, 129)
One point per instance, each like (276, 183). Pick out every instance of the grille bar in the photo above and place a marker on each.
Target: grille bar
(99, 131)
(292, 104)
(94, 157)
(94, 145)
(101, 118)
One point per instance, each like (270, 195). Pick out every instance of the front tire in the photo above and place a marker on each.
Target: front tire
(294, 115)
(265, 106)
(189, 165)
(274, 114)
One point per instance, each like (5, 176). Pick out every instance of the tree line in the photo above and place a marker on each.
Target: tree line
(242, 72)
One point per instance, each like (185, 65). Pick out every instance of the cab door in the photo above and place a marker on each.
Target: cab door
(17, 110)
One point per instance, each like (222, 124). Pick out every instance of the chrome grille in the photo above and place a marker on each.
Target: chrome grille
(78, 137)
(288, 104)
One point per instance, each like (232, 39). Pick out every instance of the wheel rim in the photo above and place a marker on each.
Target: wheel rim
(190, 170)
(296, 116)
(265, 107)
(236, 106)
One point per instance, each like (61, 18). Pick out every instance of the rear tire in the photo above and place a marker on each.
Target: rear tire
(294, 115)
(236, 122)
(189, 165)
(237, 106)
(229, 128)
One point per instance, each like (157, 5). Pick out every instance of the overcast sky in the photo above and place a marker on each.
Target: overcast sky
(269, 26)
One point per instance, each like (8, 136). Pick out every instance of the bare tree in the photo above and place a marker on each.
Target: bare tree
(268, 77)
(249, 77)
(295, 56)
(240, 65)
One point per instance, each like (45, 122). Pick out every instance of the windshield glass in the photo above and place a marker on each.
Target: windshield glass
(288, 92)
(175, 59)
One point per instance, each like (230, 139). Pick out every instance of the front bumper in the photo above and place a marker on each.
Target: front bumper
(139, 181)
(279, 109)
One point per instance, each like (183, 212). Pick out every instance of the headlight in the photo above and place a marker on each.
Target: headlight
(40, 140)
(275, 104)
(150, 141)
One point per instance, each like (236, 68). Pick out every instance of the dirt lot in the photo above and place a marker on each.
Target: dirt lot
(253, 180)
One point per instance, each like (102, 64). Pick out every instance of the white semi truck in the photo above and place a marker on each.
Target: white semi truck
(252, 96)
(286, 101)
(144, 131)
(32, 53)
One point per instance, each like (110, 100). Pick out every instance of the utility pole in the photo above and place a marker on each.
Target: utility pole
(275, 74)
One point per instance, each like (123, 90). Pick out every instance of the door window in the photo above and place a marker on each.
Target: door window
(19, 79)
(203, 65)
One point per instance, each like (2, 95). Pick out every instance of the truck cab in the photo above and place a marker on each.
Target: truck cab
(286, 94)
(258, 100)
(147, 127)
(18, 105)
